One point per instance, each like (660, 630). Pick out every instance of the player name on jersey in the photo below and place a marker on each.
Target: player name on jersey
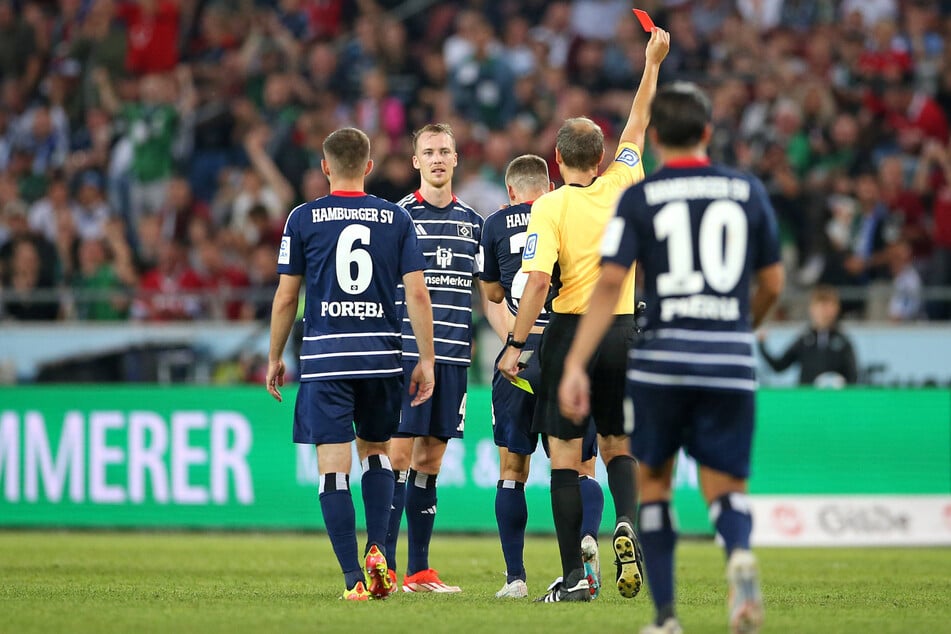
(696, 188)
(365, 214)
(360, 310)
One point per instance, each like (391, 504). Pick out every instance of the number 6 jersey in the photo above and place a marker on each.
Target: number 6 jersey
(699, 233)
(353, 250)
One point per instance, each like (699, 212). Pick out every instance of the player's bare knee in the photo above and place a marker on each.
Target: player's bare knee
(610, 447)
(715, 484)
(428, 452)
(516, 467)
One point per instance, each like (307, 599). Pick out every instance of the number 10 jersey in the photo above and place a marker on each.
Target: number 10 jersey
(353, 250)
(700, 233)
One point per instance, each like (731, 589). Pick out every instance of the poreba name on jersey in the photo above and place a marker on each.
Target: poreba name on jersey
(504, 238)
(701, 232)
(449, 238)
(353, 250)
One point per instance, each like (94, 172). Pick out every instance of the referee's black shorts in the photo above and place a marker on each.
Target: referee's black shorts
(607, 371)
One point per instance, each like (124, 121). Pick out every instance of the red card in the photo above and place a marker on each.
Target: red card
(644, 19)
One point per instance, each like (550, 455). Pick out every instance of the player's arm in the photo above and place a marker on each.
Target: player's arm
(529, 308)
(420, 311)
(640, 117)
(572, 395)
(769, 284)
(492, 291)
(496, 311)
(778, 364)
(283, 312)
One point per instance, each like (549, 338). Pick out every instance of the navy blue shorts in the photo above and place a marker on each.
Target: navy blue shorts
(442, 416)
(513, 410)
(328, 411)
(715, 427)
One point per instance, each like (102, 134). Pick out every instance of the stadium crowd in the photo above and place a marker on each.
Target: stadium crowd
(151, 149)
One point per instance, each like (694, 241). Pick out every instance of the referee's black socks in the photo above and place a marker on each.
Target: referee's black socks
(566, 511)
(622, 480)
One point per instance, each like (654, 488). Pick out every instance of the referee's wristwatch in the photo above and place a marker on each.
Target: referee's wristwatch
(511, 342)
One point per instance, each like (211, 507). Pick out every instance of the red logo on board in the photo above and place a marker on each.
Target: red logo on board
(787, 521)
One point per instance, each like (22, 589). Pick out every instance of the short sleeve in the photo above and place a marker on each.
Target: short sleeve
(411, 255)
(542, 241)
(620, 243)
(626, 168)
(478, 264)
(489, 249)
(767, 236)
(290, 257)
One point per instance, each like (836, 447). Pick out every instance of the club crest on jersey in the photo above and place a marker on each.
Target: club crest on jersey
(464, 230)
(284, 255)
(531, 244)
(629, 157)
(443, 257)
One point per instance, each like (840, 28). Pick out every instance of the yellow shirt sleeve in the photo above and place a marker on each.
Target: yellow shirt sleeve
(542, 242)
(626, 168)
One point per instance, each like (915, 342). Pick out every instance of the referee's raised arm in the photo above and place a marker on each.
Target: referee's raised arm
(640, 116)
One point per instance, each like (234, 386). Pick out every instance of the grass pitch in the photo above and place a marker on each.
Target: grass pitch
(135, 582)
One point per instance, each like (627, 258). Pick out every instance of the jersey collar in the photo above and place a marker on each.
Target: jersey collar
(347, 193)
(688, 162)
(419, 197)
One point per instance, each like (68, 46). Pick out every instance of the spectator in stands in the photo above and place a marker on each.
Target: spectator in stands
(483, 84)
(153, 35)
(91, 211)
(170, 291)
(100, 292)
(823, 352)
(20, 61)
(30, 295)
(905, 303)
(44, 212)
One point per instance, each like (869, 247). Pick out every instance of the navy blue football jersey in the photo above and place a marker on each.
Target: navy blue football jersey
(449, 238)
(353, 250)
(503, 241)
(700, 233)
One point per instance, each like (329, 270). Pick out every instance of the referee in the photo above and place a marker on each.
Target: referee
(562, 252)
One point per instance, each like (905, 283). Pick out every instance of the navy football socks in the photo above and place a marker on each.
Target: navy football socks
(336, 505)
(377, 486)
(511, 514)
(420, 518)
(592, 506)
(658, 539)
(396, 517)
(730, 514)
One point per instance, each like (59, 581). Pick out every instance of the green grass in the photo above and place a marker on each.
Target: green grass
(134, 582)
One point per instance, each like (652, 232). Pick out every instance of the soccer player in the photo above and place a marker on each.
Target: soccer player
(501, 282)
(705, 235)
(564, 232)
(351, 251)
(448, 231)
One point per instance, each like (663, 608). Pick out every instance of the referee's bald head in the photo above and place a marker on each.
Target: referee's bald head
(347, 151)
(580, 142)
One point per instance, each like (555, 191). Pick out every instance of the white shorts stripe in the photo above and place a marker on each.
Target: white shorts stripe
(330, 355)
(687, 380)
(439, 357)
(341, 335)
(352, 374)
(690, 357)
(704, 335)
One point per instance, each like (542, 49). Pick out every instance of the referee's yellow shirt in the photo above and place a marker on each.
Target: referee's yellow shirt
(566, 227)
